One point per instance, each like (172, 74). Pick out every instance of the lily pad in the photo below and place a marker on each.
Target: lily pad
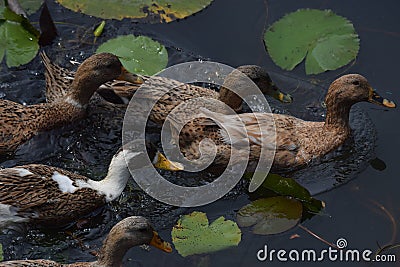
(29, 6)
(289, 187)
(270, 215)
(326, 40)
(151, 10)
(193, 235)
(17, 44)
(140, 54)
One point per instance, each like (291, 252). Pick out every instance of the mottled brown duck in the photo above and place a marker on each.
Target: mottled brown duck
(19, 122)
(130, 232)
(169, 92)
(298, 142)
(49, 196)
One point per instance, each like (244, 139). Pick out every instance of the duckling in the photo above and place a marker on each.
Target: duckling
(130, 232)
(51, 196)
(298, 142)
(19, 123)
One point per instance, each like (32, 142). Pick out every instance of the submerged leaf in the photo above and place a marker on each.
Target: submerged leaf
(140, 55)
(193, 235)
(270, 215)
(328, 41)
(155, 10)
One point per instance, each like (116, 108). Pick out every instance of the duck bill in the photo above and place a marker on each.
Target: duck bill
(157, 242)
(375, 98)
(129, 77)
(281, 96)
(161, 162)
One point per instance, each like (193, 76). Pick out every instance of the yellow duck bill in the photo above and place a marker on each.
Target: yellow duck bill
(375, 98)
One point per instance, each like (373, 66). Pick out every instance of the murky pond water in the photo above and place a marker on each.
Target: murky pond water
(229, 32)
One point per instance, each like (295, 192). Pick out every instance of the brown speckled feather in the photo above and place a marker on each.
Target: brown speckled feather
(19, 123)
(37, 196)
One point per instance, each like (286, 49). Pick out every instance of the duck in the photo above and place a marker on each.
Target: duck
(129, 232)
(168, 92)
(48, 196)
(293, 142)
(19, 123)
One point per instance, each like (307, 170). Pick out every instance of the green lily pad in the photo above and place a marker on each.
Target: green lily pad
(16, 44)
(193, 235)
(151, 10)
(270, 215)
(326, 40)
(29, 6)
(289, 187)
(140, 55)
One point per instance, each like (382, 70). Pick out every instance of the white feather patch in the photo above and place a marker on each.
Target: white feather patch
(65, 184)
(22, 172)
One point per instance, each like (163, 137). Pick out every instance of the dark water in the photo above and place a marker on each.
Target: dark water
(229, 31)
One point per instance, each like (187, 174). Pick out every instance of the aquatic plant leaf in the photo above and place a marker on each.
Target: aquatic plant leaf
(16, 44)
(193, 235)
(326, 40)
(270, 215)
(149, 10)
(31, 6)
(140, 54)
(289, 187)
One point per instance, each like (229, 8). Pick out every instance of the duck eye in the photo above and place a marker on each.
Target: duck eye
(356, 82)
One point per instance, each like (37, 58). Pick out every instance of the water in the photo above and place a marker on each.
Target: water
(232, 38)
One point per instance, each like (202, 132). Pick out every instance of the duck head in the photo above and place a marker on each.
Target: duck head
(262, 79)
(352, 88)
(137, 230)
(96, 70)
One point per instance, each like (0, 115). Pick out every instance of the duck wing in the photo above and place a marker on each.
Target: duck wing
(46, 195)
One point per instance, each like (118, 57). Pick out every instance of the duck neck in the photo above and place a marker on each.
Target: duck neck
(83, 88)
(337, 114)
(117, 177)
(114, 249)
(230, 98)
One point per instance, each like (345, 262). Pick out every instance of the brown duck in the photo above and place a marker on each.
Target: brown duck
(51, 196)
(19, 123)
(169, 92)
(298, 142)
(130, 232)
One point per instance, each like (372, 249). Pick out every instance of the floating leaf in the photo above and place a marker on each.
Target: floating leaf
(18, 45)
(193, 235)
(153, 10)
(326, 40)
(140, 55)
(288, 187)
(270, 215)
(30, 6)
